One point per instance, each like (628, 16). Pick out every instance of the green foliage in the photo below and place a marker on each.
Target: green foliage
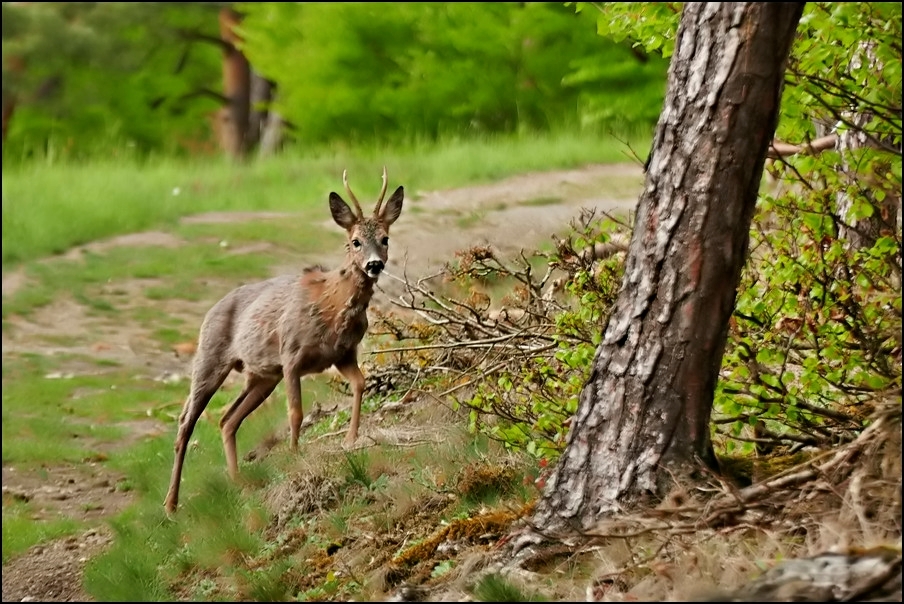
(528, 399)
(648, 29)
(124, 79)
(846, 62)
(648, 26)
(494, 588)
(95, 78)
(20, 531)
(815, 340)
(396, 71)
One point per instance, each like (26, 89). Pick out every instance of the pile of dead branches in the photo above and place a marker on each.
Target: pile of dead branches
(489, 332)
(835, 517)
(512, 339)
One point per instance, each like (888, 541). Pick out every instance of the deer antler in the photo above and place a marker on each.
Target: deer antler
(382, 194)
(352, 195)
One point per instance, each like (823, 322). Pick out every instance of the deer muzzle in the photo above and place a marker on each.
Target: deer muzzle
(373, 268)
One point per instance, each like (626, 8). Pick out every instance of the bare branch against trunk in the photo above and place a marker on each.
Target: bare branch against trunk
(643, 421)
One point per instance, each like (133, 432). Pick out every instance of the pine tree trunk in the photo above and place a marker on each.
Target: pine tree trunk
(643, 420)
(234, 117)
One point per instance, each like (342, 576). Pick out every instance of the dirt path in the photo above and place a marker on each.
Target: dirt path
(515, 213)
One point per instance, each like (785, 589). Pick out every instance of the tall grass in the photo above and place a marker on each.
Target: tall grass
(49, 207)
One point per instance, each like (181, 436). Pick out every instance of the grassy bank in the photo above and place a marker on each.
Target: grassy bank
(50, 207)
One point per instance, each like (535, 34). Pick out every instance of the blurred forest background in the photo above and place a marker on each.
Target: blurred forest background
(85, 79)
(123, 118)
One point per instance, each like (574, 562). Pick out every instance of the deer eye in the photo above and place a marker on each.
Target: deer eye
(356, 243)
(385, 241)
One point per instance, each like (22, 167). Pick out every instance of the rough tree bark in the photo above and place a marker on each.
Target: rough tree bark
(643, 418)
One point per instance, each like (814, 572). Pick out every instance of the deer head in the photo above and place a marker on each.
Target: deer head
(368, 237)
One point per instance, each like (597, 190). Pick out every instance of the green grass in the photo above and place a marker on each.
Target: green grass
(93, 279)
(49, 419)
(50, 208)
(20, 531)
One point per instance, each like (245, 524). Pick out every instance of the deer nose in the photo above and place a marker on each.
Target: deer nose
(374, 267)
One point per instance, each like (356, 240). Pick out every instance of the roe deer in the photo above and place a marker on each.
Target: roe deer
(287, 327)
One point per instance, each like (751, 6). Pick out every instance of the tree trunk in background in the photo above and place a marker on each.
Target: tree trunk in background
(233, 119)
(9, 107)
(853, 137)
(261, 94)
(272, 135)
(643, 421)
(246, 120)
(15, 65)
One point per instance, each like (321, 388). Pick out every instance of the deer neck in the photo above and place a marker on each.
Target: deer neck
(350, 290)
(359, 285)
(340, 298)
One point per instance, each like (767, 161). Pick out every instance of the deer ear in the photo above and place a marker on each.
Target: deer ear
(342, 214)
(393, 207)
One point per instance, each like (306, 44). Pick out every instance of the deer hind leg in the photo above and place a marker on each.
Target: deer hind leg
(351, 372)
(205, 382)
(293, 401)
(257, 389)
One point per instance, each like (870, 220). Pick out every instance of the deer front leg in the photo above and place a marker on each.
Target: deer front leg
(293, 398)
(351, 372)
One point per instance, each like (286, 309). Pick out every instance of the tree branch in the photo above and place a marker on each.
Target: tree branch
(780, 149)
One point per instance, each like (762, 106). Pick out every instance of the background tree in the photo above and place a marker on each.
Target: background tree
(392, 71)
(643, 417)
(815, 345)
(245, 121)
(81, 74)
(88, 77)
(845, 82)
